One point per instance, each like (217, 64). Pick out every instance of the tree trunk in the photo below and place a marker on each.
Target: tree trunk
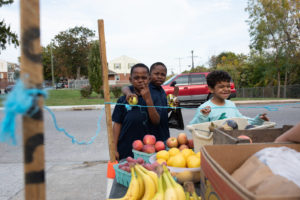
(78, 73)
(285, 83)
(278, 85)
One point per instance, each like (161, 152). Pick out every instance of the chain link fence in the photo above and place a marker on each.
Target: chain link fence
(78, 84)
(292, 91)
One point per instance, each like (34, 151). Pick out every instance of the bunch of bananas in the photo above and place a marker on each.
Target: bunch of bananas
(171, 100)
(148, 185)
(190, 193)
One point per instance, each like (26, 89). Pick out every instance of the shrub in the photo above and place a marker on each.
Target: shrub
(86, 91)
(117, 91)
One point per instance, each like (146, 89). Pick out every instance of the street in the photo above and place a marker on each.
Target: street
(62, 156)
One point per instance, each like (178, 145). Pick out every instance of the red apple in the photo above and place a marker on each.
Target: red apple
(137, 145)
(140, 160)
(191, 143)
(149, 148)
(172, 142)
(129, 159)
(182, 138)
(149, 139)
(159, 145)
(183, 146)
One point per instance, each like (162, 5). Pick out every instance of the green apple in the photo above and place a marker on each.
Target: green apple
(133, 101)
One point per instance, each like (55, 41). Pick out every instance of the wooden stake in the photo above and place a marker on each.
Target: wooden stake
(106, 90)
(32, 76)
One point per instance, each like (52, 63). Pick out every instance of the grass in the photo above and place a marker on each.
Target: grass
(72, 97)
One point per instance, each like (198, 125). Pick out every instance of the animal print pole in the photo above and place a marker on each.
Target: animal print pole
(32, 76)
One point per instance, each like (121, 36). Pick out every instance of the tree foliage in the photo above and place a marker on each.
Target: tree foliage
(275, 30)
(70, 50)
(6, 35)
(94, 68)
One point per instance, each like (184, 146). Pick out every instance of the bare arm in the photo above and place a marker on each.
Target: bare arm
(292, 135)
(153, 114)
(116, 130)
(126, 91)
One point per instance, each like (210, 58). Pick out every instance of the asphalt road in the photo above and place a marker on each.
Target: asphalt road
(62, 156)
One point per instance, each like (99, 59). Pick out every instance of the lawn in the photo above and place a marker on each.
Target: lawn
(72, 97)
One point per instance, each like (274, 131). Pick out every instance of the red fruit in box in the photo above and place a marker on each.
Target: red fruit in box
(182, 138)
(140, 160)
(183, 146)
(159, 145)
(148, 166)
(191, 143)
(137, 145)
(172, 142)
(127, 169)
(149, 139)
(130, 160)
(148, 148)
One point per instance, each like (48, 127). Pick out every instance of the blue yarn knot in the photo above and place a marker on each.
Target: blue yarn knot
(18, 101)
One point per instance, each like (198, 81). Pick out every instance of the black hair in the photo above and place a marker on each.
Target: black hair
(156, 64)
(139, 65)
(217, 76)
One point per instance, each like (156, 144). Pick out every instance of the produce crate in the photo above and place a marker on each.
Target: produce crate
(202, 135)
(139, 154)
(221, 136)
(218, 162)
(122, 176)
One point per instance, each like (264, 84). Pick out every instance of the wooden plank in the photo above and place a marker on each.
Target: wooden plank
(32, 76)
(106, 90)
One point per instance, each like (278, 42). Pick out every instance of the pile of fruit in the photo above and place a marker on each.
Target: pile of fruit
(147, 184)
(181, 142)
(185, 158)
(126, 165)
(148, 145)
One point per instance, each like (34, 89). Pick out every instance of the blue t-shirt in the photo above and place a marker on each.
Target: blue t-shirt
(159, 98)
(228, 110)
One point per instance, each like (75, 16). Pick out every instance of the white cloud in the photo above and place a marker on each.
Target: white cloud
(147, 30)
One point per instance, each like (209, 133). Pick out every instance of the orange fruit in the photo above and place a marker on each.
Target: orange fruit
(174, 151)
(163, 154)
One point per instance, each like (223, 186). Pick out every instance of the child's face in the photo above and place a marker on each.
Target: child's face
(139, 78)
(221, 90)
(158, 75)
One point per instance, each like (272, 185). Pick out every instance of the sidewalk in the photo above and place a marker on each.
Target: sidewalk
(98, 107)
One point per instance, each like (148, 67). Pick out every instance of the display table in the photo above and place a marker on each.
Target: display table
(118, 190)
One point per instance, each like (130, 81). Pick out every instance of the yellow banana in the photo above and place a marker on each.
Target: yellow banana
(152, 174)
(195, 196)
(160, 191)
(133, 189)
(178, 188)
(187, 196)
(141, 186)
(170, 192)
(150, 189)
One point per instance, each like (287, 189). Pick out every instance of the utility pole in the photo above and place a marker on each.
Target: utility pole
(179, 59)
(193, 59)
(52, 71)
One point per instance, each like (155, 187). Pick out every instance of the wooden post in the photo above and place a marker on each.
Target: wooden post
(106, 90)
(32, 76)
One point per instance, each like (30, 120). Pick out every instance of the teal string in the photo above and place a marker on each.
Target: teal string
(19, 101)
(74, 140)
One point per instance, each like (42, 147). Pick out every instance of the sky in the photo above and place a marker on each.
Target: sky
(147, 30)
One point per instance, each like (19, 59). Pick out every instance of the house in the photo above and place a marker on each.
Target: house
(8, 73)
(119, 70)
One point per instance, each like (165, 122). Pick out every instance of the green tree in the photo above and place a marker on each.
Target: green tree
(94, 67)
(6, 35)
(200, 68)
(71, 49)
(275, 29)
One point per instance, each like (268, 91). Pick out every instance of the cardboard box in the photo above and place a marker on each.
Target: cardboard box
(257, 135)
(218, 162)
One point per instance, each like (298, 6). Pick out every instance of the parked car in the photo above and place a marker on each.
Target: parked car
(60, 85)
(192, 87)
(8, 88)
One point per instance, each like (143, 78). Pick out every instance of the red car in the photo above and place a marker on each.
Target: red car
(192, 87)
